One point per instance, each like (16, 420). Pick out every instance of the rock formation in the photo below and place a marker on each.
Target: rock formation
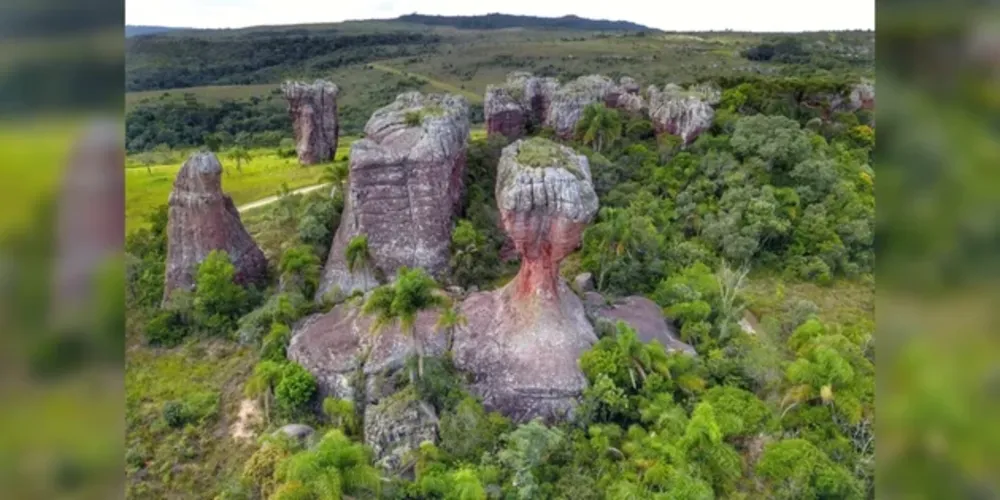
(404, 186)
(684, 113)
(568, 102)
(90, 225)
(313, 109)
(202, 218)
(522, 342)
(862, 96)
(519, 104)
(642, 314)
(625, 96)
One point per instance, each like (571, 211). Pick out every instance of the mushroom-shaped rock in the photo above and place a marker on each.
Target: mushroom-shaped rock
(404, 187)
(313, 109)
(569, 101)
(684, 113)
(522, 342)
(201, 219)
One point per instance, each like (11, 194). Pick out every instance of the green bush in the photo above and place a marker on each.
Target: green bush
(218, 300)
(167, 329)
(295, 390)
(275, 343)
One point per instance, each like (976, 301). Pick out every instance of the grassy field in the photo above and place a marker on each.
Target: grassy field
(261, 178)
(210, 94)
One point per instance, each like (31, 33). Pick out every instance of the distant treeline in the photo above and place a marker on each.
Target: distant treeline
(500, 21)
(165, 62)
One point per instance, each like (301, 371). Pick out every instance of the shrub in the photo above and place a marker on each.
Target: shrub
(795, 469)
(295, 390)
(276, 342)
(174, 414)
(468, 431)
(166, 329)
(218, 300)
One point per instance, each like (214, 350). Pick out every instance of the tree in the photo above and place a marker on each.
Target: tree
(599, 126)
(795, 469)
(448, 320)
(413, 291)
(218, 300)
(337, 174)
(622, 245)
(358, 256)
(147, 160)
(300, 270)
(240, 154)
(335, 468)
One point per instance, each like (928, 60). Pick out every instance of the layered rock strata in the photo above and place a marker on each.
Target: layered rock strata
(684, 113)
(404, 187)
(313, 109)
(201, 219)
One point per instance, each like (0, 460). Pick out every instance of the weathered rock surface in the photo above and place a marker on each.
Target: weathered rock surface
(313, 109)
(625, 96)
(684, 113)
(520, 103)
(642, 314)
(862, 96)
(404, 187)
(339, 345)
(522, 343)
(583, 282)
(201, 219)
(568, 102)
(396, 426)
(300, 432)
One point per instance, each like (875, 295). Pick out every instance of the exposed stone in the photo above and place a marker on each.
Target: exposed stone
(642, 314)
(301, 432)
(201, 219)
(313, 109)
(522, 343)
(397, 426)
(862, 96)
(569, 101)
(535, 94)
(338, 345)
(404, 187)
(685, 114)
(90, 228)
(583, 282)
(504, 114)
(625, 96)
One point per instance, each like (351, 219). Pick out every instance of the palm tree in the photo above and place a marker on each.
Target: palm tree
(358, 256)
(448, 320)
(336, 174)
(413, 291)
(620, 234)
(634, 351)
(240, 154)
(599, 126)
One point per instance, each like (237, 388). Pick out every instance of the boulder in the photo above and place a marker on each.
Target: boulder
(569, 100)
(684, 113)
(862, 96)
(640, 313)
(313, 109)
(201, 219)
(404, 187)
(339, 345)
(522, 343)
(299, 432)
(583, 282)
(625, 96)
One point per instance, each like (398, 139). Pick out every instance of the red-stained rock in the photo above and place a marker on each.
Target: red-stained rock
(313, 109)
(201, 219)
(522, 342)
(404, 187)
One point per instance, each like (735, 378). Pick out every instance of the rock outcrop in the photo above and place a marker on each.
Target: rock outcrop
(404, 186)
(625, 96)
(862, 96)
(519, 104)
(522, 342)
(642, 314)
(569, 100)
(684, 113)
(313, 109)
(201, 219)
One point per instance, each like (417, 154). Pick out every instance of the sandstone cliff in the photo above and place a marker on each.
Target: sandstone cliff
(404, 186)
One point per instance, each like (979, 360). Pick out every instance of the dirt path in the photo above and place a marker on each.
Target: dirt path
(447, 87)
(271, 199)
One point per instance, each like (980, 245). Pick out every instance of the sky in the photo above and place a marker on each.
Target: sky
(668, 15)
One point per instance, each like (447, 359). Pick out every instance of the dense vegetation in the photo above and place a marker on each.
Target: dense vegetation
(501, 21)
(757, 241)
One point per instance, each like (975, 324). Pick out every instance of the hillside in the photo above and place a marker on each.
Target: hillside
(503, 21)
(137, 30)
